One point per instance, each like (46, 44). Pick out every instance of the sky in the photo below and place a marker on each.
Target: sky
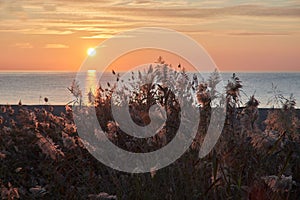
(239, 35)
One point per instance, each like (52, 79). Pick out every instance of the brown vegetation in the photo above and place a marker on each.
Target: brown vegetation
(42, 156)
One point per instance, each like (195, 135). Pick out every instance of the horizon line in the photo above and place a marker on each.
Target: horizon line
(188, 71)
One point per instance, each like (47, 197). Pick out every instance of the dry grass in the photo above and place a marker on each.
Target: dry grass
(42, 156)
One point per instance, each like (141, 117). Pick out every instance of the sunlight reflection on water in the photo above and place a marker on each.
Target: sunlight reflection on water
(91, 81)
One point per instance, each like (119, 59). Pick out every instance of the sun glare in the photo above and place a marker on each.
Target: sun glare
(91, 51)
(91, 71)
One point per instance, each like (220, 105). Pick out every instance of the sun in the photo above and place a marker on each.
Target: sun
(91, 51)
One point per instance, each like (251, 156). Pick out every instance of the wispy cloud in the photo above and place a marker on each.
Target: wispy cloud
(47, 31)
(90, 19)
(26, 45)
(56, 46)
(82, 23)
(257, 34)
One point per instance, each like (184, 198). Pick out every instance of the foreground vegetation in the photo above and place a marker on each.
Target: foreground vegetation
(42, 156)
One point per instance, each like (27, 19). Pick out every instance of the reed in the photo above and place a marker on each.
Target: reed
(42, 156)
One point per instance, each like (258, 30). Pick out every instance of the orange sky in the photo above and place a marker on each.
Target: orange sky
(129, 61)
(239, 35)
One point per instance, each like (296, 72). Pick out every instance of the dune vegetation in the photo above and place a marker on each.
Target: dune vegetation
(43, 157)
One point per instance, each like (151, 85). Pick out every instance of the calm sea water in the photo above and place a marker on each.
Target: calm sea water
(31, 88)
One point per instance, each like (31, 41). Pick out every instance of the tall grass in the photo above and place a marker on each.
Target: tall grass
(42, 156)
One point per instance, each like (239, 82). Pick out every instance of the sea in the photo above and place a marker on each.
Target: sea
(31, 88)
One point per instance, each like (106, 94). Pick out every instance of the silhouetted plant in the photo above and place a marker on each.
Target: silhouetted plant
(42, 156)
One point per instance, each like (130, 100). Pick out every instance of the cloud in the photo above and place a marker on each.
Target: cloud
(99, 36)
(256, 10)
(258, 34)
(13, 7)
(56, 46)
(150, 3)
(91, 19)
(194, 12)
(106, 36)
(49, 7)
(26, 45)
(16, 10)
(46, 31)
